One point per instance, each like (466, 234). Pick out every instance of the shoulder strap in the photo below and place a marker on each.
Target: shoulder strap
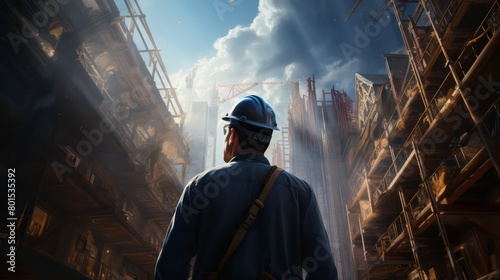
(257, 205)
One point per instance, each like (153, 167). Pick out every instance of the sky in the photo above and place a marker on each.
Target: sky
(270, 40)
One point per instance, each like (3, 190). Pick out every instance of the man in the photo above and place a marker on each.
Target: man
(287, 239)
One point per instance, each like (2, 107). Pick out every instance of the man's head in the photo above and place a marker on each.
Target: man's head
(251, 122)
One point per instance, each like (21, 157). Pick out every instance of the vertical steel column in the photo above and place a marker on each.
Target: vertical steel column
(184, 173)
(365, 253)
(410, 55)
(368, 191)
(435, 210)
(414, 248)
(351, 239)
(393, 156)
(460, 87)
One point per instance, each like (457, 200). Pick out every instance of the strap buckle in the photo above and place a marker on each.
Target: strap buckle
(252, 214)
(248, 221)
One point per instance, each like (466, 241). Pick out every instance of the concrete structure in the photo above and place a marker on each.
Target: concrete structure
(94, 139)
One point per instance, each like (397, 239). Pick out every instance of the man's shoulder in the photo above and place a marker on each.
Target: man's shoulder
(225, 171)
(215, 173)
(293, 180)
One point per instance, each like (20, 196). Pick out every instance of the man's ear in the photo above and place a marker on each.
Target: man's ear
(233, 136)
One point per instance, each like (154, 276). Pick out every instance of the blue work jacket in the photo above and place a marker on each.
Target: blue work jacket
(286, 238)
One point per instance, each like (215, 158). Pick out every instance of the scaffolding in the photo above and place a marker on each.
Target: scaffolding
(138, 34)
(281, 150)
(417, 190)
(105, 165)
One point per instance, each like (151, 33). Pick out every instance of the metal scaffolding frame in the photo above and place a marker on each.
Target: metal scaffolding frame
(285, 145)
(137, 32)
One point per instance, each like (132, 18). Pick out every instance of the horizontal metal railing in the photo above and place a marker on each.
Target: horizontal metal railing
(443, 18)
(395, 229)
(400, 159)
(92, 268)
(356, 184)
(453, 164)
(34, 229)
(418, 202)
(377, 152)
(409, 90)
(429, 44)
(354, 228)
(474, 47)
(391, 123)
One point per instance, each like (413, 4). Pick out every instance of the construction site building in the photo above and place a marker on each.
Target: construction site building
(281, 149)
(94, 137)
(310, 148)
(425, 200)
(407, 177)
(415, 162)
(197, 134)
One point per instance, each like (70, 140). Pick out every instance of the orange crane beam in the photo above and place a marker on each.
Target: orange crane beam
(237, 89)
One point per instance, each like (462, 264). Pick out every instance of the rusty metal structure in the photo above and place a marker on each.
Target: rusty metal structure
(281, 150)
(95, 136)
(415, 161)
(425, 178)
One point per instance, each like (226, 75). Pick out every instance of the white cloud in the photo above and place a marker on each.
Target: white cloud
(340, 75)
(287, 40)
(266, 20)
(223, 67)
(289, 71)
(400, 50)
(240, 54)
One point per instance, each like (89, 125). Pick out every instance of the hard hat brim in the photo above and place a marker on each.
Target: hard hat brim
(257, 124)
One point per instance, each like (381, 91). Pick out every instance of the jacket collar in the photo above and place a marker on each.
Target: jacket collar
(250, 157)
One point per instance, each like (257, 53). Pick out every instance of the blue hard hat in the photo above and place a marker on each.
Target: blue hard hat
(253, 110)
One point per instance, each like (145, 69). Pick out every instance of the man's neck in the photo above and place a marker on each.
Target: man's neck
(249, 151)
